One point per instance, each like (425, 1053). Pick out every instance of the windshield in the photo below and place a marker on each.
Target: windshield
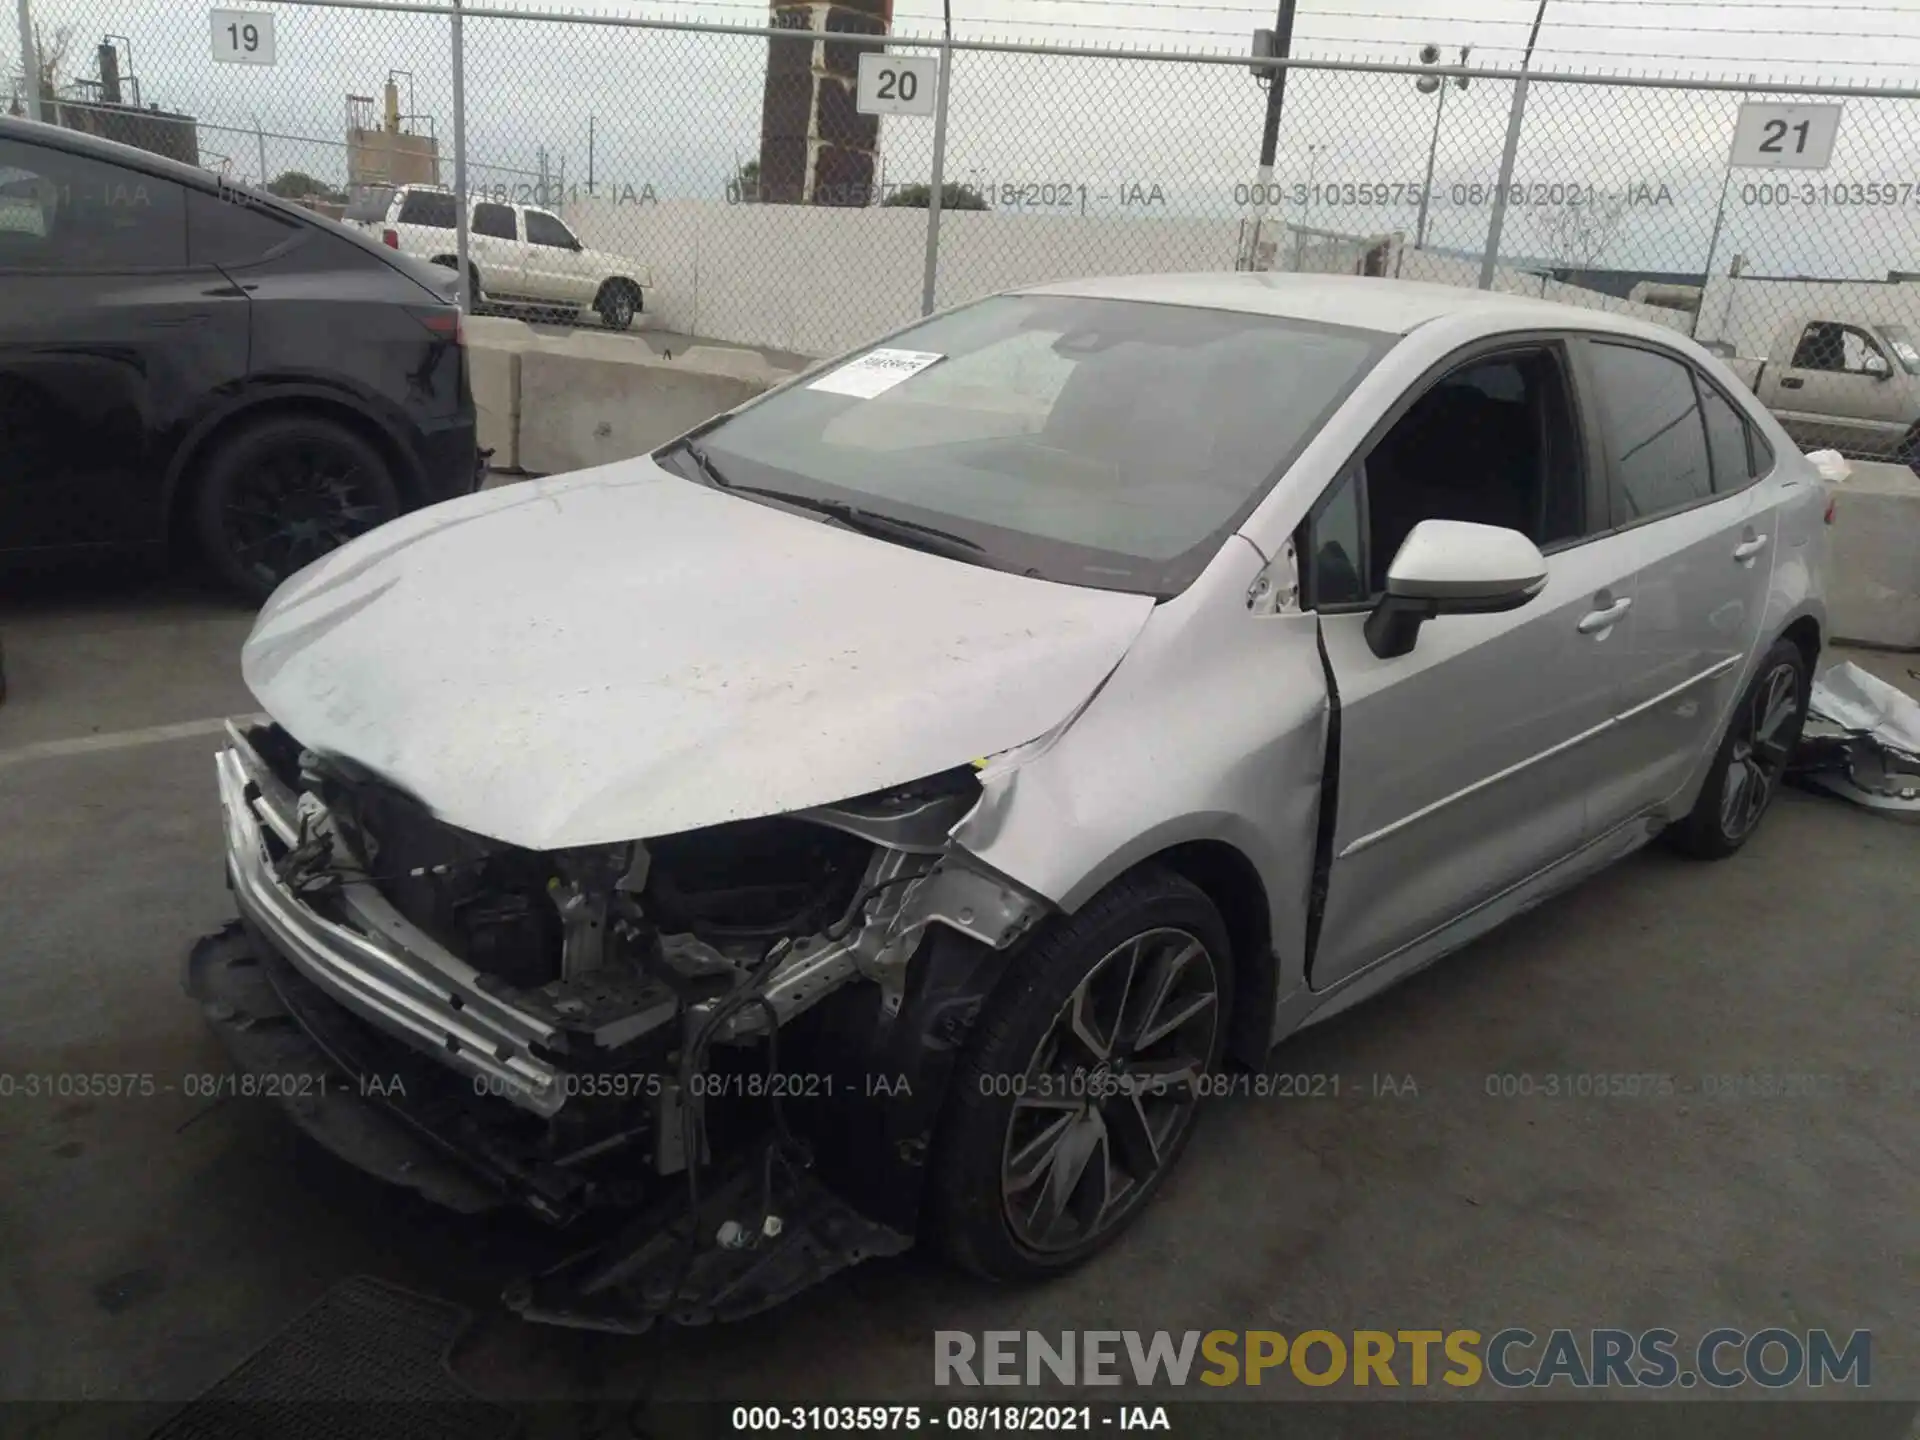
(1098, 442)
(1901, 339)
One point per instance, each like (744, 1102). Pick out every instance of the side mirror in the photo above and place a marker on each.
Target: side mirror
(1452, 567)
(1876, 366)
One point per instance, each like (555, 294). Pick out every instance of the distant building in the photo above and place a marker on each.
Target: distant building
(109, 106)
(391, 151)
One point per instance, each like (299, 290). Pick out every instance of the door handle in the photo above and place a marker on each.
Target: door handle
(1596, 620)
(1747, 549)
(1791, 382)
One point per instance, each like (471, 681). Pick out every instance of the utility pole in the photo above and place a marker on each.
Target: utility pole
(30, 65)
(1270, 128)
(736, 168)
(1276, 91)
(1490, 261)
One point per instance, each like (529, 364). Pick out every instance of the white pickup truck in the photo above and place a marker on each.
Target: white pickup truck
(1851, 385)
(517, 255)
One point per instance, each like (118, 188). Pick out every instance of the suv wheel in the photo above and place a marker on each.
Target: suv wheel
(619, 302)
(284, 491)
(1081, 1082)
(1752, 757)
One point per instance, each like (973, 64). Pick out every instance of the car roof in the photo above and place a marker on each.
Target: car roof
(1364, 302)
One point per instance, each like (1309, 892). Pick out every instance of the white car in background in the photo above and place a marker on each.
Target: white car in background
(517, 255)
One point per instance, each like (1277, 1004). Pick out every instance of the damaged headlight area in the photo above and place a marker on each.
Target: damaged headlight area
(568, 1029)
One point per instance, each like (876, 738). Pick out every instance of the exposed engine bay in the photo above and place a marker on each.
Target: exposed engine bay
(725, 1017)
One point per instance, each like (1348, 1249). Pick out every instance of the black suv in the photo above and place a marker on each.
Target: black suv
(186, 361)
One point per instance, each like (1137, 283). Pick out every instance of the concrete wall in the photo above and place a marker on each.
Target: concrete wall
(819, 279)
(591, 399)
(1873, 581)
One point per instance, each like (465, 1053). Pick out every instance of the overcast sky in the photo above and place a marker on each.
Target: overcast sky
(672, 114)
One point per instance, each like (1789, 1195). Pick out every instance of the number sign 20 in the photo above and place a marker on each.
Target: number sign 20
(896, 84)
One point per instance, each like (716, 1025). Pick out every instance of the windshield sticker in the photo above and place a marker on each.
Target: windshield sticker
(875, 372)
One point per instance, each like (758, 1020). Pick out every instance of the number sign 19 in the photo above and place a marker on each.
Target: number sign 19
(896, 84)
(1785, 137)
(243, 37)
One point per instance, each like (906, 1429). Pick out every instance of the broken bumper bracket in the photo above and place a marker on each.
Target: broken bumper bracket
(631, 1282)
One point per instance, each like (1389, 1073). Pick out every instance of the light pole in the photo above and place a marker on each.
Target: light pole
(1428, 85)
(1313, 169)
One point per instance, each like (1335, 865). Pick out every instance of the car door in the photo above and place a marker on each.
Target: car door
(1681, 489)
(493, 241)
(1832, 394)
(1464, 765)
(111, 342)
(553, 257)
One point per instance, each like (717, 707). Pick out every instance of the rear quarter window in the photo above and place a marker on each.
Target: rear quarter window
(226, 230)
(369, 205)
(432, 208)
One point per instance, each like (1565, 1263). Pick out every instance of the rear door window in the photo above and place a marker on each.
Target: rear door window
(431, 208)
(1656, 439)
(494, 220)
(61, 211)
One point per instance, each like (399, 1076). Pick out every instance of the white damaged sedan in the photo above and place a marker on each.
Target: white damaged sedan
(877, 814)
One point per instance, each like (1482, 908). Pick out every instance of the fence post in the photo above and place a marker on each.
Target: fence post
(466, 301)
(939, 178)
(30, 65)
(1492, 257)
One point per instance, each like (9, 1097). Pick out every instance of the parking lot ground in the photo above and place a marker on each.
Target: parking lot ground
(148, 1244)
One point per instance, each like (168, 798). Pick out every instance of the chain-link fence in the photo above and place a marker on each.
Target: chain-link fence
(730, 174)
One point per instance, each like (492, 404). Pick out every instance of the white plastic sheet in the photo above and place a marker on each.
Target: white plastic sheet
(1860, 701)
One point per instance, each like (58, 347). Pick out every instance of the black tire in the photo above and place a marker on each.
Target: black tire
(1908, 453)
(283, 491)
(1751, 758)
(984, 1210)
(618, 303)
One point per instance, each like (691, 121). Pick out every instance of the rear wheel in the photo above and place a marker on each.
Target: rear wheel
(1081, 1084)
(1752, 757)
(1908, 453)
(618, 303)
(284, 491)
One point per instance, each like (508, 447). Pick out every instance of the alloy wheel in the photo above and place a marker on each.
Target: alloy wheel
(1762, 743)
(1110, 1090)
(300, 501)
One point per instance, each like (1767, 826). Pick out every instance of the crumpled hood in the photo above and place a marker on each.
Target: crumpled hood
(621, 653)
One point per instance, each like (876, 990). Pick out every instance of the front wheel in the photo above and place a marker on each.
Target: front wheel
(1081, 1083)
(282, 492)
(1752, 757)
(619, 302)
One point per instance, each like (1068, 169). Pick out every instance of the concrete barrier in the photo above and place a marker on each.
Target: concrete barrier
(494, 347)
(584, 403)
(1873, 581)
